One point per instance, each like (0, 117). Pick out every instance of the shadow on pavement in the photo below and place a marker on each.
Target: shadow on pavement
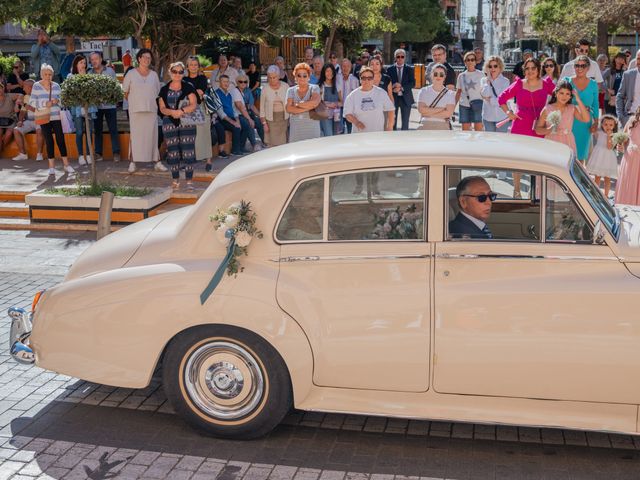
(326, 449)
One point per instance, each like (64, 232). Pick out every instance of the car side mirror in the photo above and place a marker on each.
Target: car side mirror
(599, 233)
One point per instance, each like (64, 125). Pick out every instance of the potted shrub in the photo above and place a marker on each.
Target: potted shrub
(85, 91)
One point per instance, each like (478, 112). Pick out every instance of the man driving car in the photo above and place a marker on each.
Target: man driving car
(475, 199)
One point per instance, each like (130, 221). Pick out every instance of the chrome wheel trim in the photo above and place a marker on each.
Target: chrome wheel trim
(224, 380)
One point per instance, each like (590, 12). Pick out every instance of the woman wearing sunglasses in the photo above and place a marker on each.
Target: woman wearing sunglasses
(436, 102)
(612, 78)
(197, 80)
(551, 69)
(177, 100)
(492, 85)
(301, 99)
(468, 94)
(587, 89)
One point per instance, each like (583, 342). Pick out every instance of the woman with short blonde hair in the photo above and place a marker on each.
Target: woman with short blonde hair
(491, 86)
(273, 114)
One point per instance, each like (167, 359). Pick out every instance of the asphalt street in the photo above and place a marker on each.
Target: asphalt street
(54, 426)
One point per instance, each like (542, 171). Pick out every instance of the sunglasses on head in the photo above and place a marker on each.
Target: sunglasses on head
(484, 196)
(178, 72)
(581, 65)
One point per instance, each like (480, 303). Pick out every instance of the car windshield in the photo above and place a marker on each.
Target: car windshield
(606, 212)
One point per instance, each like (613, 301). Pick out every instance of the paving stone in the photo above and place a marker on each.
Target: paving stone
(144, 458)
(375, 424)
(189, 462)
(418, 427)
(161, 467)
(282, 472)
(462, 430)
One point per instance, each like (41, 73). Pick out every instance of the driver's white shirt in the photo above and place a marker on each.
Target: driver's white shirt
(478, 223)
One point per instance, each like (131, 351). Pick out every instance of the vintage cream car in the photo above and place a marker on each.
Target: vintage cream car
(358, 299)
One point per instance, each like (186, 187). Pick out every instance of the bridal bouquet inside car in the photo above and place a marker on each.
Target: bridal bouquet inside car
(236, 227)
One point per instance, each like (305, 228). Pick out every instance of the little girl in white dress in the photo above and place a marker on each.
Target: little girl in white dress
(603, 162)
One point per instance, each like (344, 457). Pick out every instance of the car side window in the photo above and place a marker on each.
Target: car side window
(564, 220)
(513, 214)
(303, 218)
(379, 205)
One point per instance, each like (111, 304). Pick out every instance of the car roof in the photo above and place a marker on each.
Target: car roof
(527, 152)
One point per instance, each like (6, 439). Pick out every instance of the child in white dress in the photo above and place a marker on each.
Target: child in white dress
(603, 162)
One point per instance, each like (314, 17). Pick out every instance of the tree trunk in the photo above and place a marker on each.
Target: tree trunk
(328, 45)
(386, 38)
(87, 128)
(70, 44)
(602, 44)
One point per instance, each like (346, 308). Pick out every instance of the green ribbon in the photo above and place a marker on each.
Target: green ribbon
(215, 280)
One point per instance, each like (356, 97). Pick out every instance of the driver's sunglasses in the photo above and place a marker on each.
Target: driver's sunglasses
(483, 197)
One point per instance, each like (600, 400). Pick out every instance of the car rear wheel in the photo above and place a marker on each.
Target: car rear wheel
(227, 381)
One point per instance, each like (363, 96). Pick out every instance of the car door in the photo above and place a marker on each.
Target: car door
(551, 316)
(359, 285)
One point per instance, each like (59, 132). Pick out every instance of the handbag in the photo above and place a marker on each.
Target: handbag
(6, 122)
(68, 126)
(43, 115)
(194, 118)
(319, 113)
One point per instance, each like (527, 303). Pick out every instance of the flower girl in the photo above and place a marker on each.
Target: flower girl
(603, 162)
(556, 120)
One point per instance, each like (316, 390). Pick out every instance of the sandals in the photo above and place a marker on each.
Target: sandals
(175, 184)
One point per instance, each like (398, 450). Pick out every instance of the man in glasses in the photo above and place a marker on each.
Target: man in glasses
(628, 97)
(403, 81)
(16, 80)
(439, 55)
(582, 48)
(363, 61)
(475, 199)
(517, 68)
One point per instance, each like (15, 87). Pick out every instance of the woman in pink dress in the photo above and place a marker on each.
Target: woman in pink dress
(531, 97)
(628, 187)
(561, 102)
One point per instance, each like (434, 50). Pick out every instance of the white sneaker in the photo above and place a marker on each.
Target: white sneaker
(159, 167)
(132, 167)
(88, 159)
(69, 169)
(19, 157)
(39, 158)
(81, 160)
(52, 171)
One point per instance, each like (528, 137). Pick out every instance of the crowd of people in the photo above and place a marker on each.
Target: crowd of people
(582, 104)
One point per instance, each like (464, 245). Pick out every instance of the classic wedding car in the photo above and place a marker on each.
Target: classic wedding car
(357, 298)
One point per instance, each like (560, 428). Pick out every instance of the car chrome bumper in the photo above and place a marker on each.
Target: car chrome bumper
(19, 336)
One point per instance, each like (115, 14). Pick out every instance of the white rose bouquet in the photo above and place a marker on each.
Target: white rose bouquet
(554, 119)
(619, 138)
(237, 223)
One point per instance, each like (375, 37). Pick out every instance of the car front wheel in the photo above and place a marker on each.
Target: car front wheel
(227, 381)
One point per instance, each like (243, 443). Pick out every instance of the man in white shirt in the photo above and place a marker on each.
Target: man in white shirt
(582, 48)
(369, 106)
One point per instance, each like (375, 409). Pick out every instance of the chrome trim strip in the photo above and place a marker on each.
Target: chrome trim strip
(347, 257)
(21, 324)
(450, 256)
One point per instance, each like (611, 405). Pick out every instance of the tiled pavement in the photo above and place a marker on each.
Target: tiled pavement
(54, 426)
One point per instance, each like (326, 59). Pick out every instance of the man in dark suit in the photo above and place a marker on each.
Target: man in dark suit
(475, 199)
(403, 81)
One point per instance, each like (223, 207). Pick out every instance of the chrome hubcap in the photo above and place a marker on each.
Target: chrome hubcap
(224, 380)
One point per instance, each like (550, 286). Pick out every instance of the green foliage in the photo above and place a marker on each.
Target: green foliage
(96, 190)
(418, 21)
(204, 61)
(563, 21)
(82, 90)
(6, 63)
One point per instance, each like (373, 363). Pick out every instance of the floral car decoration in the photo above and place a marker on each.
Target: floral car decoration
(235, 227)
(397, 224)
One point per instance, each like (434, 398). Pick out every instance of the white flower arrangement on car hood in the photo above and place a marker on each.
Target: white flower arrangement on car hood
(235, 227)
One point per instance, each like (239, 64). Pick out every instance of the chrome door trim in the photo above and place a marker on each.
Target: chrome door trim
(468, 256)
(314, 258)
